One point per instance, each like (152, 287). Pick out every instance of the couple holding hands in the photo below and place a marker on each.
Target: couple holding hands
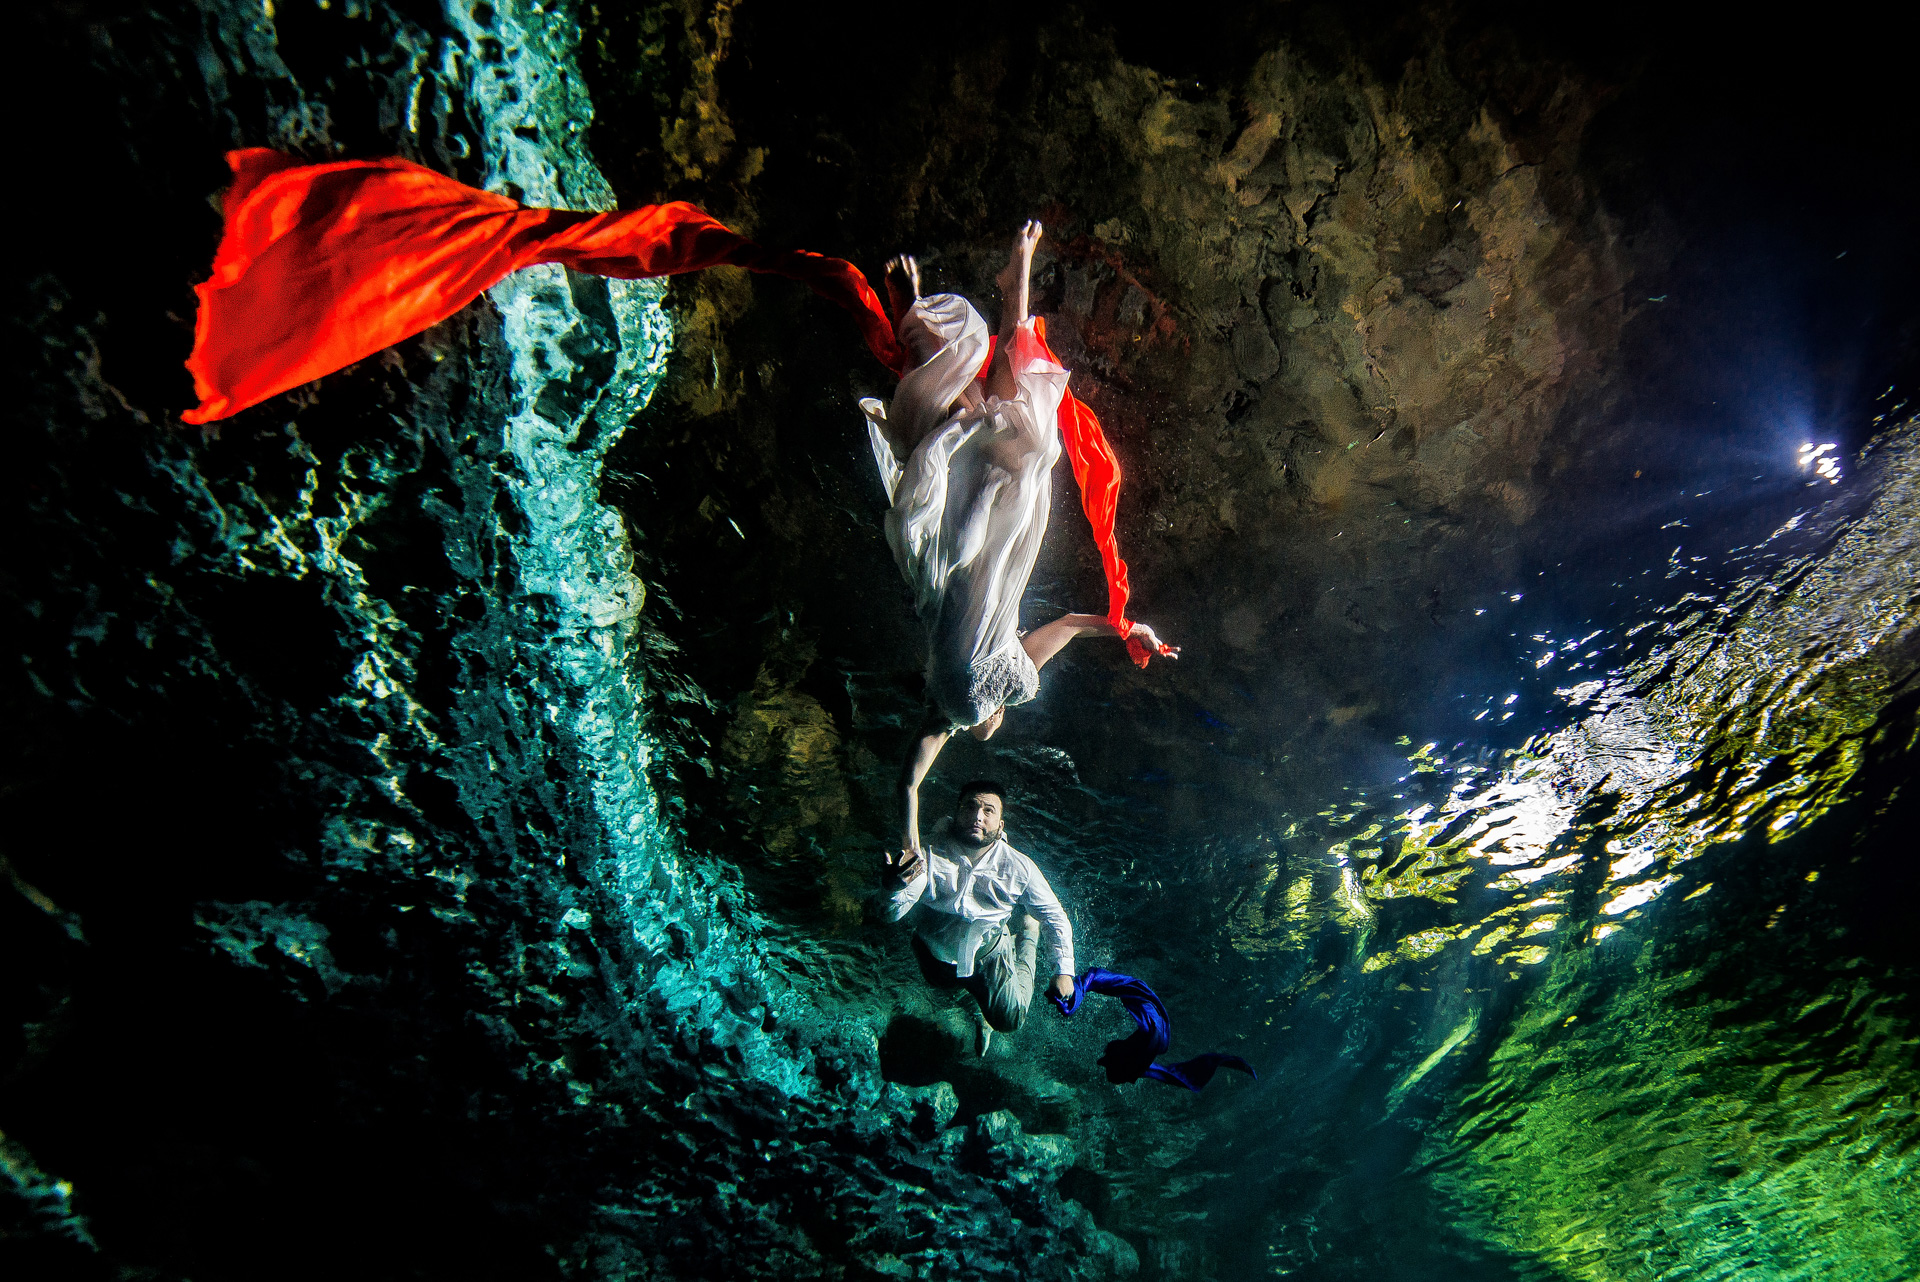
(966, 452)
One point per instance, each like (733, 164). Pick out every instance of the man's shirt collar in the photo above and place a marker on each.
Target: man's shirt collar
(959, 850)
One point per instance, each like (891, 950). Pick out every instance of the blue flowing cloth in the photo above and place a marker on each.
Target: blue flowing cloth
(1131, 1058)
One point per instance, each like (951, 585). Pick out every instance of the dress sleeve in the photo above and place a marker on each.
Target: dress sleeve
(1042, 380)
(883, 455)
(902, 901)
(1039, 897)
(949, 342)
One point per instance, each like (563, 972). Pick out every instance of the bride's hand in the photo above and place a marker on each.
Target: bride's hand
(1146, 634)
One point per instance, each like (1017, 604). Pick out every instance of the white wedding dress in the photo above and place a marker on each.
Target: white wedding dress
(969, 500)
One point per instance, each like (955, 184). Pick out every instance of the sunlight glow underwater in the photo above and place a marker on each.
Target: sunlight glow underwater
(1823, 459)
(1728, 689)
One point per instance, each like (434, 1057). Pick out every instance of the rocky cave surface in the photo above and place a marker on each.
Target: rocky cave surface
(442, 807)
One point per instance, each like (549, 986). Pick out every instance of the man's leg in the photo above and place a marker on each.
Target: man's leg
(937, 973)
(1007, 971)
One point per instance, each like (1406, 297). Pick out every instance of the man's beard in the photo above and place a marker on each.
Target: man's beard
(967, 839)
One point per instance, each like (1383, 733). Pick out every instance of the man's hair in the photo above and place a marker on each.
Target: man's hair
(978, 786)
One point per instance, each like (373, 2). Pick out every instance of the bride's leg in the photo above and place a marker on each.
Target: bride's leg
(1013, 281)
(903, 286)
(902, 279)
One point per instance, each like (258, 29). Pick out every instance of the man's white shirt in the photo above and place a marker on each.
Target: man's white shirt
(968, 894)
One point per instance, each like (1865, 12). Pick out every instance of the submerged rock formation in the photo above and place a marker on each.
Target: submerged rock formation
(443, 806)
(468, 880)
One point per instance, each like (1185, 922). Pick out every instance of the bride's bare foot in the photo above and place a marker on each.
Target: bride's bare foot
(1020, 261)
(903, 284)
(1013, 309)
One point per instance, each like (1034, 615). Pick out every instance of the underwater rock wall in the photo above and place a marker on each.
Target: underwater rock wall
(1331, 298)
(452, 936)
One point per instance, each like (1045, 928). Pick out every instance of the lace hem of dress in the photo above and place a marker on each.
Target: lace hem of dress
(1002, 679)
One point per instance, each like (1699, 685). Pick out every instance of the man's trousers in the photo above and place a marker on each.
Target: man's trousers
(1002, 979)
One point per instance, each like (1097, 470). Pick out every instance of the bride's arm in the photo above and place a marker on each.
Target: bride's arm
(1049, 639)
(911, 776)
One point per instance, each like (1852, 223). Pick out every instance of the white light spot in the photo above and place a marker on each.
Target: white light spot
(1823, 459)
(1634, 896)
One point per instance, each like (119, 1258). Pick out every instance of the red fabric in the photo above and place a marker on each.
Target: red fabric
(323, 265)
(986, 366)
(320, 266)
(1097, 472)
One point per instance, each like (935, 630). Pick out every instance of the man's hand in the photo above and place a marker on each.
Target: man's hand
(1062, 987)
(906, 866)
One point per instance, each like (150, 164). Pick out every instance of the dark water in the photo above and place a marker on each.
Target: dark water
(1609, 970)
(430, 860)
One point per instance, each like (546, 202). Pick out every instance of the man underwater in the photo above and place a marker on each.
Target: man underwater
(969, 883)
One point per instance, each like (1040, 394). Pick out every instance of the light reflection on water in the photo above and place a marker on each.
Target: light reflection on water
(1744, 715)
(1592, 1096)
(1824, 460)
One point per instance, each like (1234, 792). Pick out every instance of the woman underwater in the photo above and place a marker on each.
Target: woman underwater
(967, 462)
(323, 265)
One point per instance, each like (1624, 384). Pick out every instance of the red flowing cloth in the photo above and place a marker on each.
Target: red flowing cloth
(1097, 472)
(320, 266)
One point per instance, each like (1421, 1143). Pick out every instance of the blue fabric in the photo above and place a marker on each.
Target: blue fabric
(1131, 1058)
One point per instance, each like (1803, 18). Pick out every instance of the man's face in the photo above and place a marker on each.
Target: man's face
(978, 821)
